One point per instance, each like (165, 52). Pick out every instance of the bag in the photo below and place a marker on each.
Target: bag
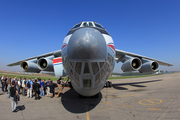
(16, 98)
(28, 84)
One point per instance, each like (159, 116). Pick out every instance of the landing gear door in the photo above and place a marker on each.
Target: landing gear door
(58, 67)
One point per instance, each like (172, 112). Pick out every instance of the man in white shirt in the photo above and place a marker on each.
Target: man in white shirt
(23, 86)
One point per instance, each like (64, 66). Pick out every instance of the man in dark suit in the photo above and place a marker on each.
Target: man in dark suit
(36, 87)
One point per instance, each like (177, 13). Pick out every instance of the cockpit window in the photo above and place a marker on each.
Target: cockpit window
(78, 67)
(87, 82)
(86, 68)
(78, 25)
(84, 24)
(95, 67)
(97, 25)
(90, 24)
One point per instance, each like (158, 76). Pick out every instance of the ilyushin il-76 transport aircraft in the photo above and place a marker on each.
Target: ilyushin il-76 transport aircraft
(88, 57)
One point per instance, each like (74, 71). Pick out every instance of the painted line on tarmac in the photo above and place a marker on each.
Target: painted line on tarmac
(87, 113)
(154, 109)
(150, 102)
(126, 106)
(121, 96)
(107, 102)
(179, 109)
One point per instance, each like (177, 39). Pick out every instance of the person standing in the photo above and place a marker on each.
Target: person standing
(59, 81)
(3, 82)
(29, 85)
(36, 90)
(42, 88)
(19, 85)
(23, 86)
(13, 92)
(6, 83)
(9, 84)
(48, 89)
(51, 86)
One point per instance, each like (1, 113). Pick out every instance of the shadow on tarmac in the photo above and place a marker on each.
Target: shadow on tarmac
(71, 102)
(21, 108)
(119, 86)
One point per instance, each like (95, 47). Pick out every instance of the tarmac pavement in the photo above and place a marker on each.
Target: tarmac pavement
(147, 98)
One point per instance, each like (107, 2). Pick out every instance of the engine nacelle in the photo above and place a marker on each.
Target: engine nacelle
(132, 64)
(29, 66)
(45, 64)
(149, 66)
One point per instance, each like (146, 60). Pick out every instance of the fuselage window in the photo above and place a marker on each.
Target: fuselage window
(97, 25)
(95, 67)
(86, 68)
(106, 66)
(97, 82)
(84, 24)
(72, 64)
(97, 76)
(86, 82)
(102, 73)
(78, 67)
(90, 24)
(71, 71)
(78, 25)
(101, 64)
(77, 82)
(77, 76)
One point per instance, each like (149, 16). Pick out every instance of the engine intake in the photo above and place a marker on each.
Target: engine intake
(132, 64)
(29, 66)
(45, 64)
(149, 66)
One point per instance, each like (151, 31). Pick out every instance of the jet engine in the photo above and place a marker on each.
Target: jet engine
(29, 66)
(45, 64)
(149, 66)
(132, 64)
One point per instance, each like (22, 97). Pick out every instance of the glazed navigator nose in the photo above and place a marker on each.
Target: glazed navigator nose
(87, 43)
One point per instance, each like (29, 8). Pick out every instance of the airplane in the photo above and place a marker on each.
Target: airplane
(88, 57)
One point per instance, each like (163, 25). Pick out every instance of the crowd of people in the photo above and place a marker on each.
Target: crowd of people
(28, 87)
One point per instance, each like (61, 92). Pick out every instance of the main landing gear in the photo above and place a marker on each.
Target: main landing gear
(108, 84)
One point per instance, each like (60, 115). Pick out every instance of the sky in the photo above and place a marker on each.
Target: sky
(146, 27)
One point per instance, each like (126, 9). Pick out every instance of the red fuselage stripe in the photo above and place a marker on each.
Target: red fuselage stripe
(57, 60)
(111, 46)
(63, 46)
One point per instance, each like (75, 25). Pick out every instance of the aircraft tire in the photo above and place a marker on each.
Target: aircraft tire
(110, 83)
(107, 83)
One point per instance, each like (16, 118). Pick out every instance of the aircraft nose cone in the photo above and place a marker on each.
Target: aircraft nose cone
(87, 43)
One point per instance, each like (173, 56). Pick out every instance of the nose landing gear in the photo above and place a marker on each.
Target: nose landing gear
(108, 84)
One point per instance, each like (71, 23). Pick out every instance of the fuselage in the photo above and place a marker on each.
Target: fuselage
(88, 56)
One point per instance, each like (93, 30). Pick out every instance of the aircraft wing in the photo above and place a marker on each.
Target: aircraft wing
(55, 53)
(120, 54)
